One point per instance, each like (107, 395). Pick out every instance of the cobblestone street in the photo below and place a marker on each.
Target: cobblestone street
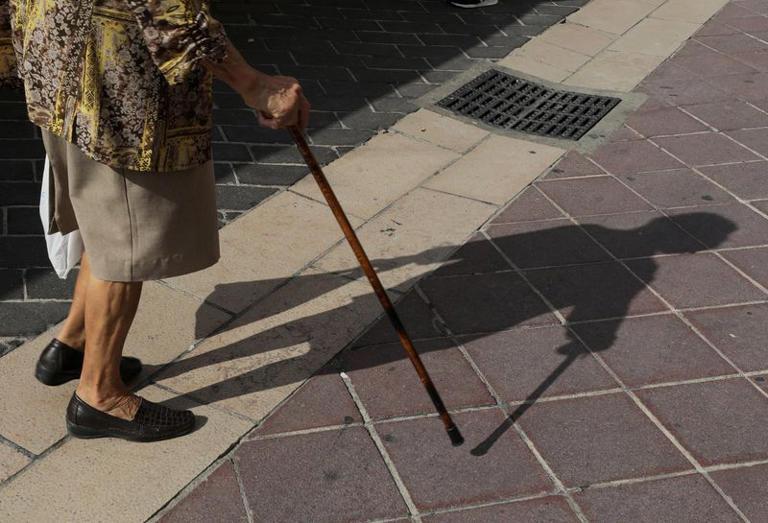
(361, 62)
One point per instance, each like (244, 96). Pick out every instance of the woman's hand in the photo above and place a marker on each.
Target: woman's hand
(280, 101)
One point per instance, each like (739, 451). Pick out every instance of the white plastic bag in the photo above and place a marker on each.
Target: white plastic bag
(64, 251)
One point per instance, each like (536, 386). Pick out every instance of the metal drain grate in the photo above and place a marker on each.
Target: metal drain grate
(511, 103)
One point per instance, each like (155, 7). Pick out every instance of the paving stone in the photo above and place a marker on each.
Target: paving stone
(711, 64)
(441, 130)
(655, 37)
(11, 461)
(519, 361)
(755, 139)
(19, 193)
(639, 234)
(598, 195)
(322, 401)
(16, 170)
(318, 477)
(727, 116)
(685, 281)
(486, 302)
(678, 86)
(258, 174)
(49, 487)
(46, 284)
(417, 317)
(582, 39)
(705, 149)
(705, 417)
(679, 188)
(477, 256)
(739, 332)
(655, 349)
(664, 121)
(599, 438)
(30, 318)
(751, 261)
(598, 291)
(487, 173)
(746, 180)
(11, 284)
(429, 466)
(749, 86)
(615, 70)
(724, 226)
(530, 205)
(688, 498)
(218, 494)
(544, 509)
(546, 244)
(573, 164)
(24, 220)
(388, 386)
(240, 197)
(633, 157)
(748, 487)
(755, 59)
(614, 17)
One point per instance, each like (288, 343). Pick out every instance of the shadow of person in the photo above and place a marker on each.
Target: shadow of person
(565, 265)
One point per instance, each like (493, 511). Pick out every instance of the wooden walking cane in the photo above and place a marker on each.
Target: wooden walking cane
(453, 431)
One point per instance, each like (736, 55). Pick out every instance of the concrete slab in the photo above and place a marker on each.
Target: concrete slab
(440, 130)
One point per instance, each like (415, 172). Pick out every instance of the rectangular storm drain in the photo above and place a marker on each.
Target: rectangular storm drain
(511, 103)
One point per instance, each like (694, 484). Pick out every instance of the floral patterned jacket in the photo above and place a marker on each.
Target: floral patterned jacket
(120, 79)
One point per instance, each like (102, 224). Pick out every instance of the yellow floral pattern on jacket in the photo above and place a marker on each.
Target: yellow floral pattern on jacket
(120, 79)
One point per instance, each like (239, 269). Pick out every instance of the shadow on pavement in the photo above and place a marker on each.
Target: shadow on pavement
(473, 302)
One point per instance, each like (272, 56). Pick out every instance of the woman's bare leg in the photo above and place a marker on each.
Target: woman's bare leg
(72, 333)
(110, 308)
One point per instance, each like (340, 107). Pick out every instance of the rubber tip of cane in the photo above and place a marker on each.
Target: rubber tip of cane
(456, 438)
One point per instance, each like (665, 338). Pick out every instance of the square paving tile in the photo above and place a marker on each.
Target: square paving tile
(746, 180)
(440, 476)
(755, 59)
(731, 43)
(519, 361)
(322, 401)
(725, 226)
(418, 318)
(718, 422)
(709, 64)
(218, 494)
(730, 115)
(325, 476)
(705, 149)
(594, 292)
(633, 157)
(696, 280)
(530, 206)
(747, 86)
(389, 386)
(678, 188)
(741, 333)
(573, 164)
(546, 244)
(654, 349)
(678, 86)
(486, 302)
(599, 438)
(477, 256)
(755, 139)
(552, 509)
(589, 196)
(687, 499)
(748, 487)
(754, 262)
(639, 234)
(625, 134)
(11, 461)
(667, 120)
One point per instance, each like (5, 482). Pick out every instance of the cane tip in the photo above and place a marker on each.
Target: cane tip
(456, 438)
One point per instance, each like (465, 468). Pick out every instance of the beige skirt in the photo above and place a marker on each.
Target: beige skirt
(136, 226)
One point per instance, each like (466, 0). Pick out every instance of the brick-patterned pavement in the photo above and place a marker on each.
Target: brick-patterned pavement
(602, 341)
(362, 63)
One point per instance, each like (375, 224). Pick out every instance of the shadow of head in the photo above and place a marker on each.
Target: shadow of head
(710, 229)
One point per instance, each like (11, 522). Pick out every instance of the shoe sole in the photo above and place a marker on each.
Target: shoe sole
(83, 432)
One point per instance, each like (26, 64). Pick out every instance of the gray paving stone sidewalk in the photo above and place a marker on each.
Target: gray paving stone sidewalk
(602, 341)
(362, 63)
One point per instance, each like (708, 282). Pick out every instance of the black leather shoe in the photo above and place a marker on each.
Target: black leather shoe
(60, 363)
(152, 422)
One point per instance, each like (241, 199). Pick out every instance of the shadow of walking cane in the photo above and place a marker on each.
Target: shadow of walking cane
(405, 340)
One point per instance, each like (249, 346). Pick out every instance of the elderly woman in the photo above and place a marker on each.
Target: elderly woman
(122, 92)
